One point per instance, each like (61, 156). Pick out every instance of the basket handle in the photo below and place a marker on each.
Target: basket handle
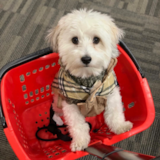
(127, 50)
(3, 121)
(103, 151)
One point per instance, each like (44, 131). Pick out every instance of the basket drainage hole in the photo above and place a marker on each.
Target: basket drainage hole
(64, 151)
(27, 102)
(24, 88)
(42, 120)
(41, 69)
(36, 91)
(100, 132)
(28, 74)
(50, 156)
(56, 153)
(131, 105)
(25, 96)
(47, 117)
(34, 71)
(108, 133)
(47, 66)
(42, 89)
(31, 94)
(40, 115)
(36, 122)
(47, 94)
(22, 79)
(47, 87)
(53, 64)
(9, 100)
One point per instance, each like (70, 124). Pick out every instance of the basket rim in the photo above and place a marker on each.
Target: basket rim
(23, 60)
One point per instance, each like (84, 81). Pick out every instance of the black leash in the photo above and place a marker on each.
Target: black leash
(54, 129)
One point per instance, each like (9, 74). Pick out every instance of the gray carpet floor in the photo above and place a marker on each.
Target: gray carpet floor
(23, 26)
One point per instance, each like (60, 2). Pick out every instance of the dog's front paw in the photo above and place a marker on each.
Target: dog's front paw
(80, 143)
(123, 127)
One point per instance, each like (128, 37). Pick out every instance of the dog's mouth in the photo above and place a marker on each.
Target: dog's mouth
(86, 66)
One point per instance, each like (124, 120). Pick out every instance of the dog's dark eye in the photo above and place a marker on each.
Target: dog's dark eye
(96, 40)
(75, 40)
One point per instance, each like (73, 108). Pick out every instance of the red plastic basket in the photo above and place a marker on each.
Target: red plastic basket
(26, 97)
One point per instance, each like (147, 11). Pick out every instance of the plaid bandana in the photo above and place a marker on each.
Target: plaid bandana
(67, 88)
(70, 89)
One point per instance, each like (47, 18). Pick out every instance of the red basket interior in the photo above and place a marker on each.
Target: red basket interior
(26, 98)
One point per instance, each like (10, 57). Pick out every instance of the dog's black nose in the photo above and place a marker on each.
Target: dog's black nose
(86, 59)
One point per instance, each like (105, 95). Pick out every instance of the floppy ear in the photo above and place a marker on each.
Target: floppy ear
(117, 33)
(52, 38)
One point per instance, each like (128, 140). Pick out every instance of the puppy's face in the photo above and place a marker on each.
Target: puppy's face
(85, 41)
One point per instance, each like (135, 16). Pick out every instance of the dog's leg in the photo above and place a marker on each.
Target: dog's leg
(78, 128)
(113, 115)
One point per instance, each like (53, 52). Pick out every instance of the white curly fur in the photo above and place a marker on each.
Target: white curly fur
(86, 25)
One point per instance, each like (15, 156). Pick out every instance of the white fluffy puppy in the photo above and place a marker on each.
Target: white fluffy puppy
(86, 41)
